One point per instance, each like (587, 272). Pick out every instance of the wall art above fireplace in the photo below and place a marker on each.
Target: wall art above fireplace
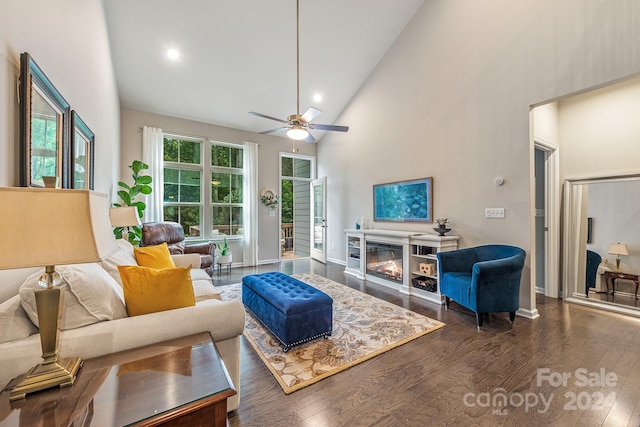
(404, 201)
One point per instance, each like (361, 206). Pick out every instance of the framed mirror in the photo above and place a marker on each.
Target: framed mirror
(82, 153)
(601, 216)
(44, 127)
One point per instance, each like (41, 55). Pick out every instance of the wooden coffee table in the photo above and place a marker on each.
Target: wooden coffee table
(180, 382)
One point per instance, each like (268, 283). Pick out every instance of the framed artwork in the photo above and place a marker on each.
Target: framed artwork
(404, 201)
(82, 154)
(44, 127)
(589, 230)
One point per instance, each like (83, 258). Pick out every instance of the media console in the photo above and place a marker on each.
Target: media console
(402, 260)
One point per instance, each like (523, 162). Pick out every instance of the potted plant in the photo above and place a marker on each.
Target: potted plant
(128, 195)
(224, 254)
(442, 226)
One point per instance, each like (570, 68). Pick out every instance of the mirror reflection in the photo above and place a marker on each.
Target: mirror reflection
(43, 127)
(602, 250)
(45, 134)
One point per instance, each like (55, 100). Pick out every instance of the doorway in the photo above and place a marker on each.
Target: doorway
(296, 173)
(546, 218)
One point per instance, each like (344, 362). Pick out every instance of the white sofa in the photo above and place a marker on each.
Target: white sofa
(223, 320)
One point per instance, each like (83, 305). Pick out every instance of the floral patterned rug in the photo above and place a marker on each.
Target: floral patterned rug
(363, 327)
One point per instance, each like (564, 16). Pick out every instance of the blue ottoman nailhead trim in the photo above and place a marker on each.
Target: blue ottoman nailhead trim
(292, 310)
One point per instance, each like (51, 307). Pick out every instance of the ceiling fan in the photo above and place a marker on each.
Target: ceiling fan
(297, 126)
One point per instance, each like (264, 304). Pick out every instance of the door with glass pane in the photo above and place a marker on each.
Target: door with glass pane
(319, 219)
(296, 172)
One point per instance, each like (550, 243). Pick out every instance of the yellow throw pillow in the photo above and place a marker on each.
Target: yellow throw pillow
(154, 256)
(149, 290)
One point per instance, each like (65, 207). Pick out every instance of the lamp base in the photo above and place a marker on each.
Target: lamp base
(617, 264)
(61, 373)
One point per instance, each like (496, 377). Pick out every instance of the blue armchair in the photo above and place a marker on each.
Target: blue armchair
(593, 261)
(484, 279)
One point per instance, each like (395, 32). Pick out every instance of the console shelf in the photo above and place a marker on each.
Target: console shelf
(416, 248)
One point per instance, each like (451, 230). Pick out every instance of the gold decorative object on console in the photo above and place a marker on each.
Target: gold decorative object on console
(49, 227)
(618, 249)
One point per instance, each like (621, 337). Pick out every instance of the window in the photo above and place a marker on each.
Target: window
(182, 183)
(226, 189)
(187, 163)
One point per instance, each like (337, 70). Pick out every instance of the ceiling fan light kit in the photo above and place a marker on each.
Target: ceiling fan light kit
(297, 133)
(298, 125)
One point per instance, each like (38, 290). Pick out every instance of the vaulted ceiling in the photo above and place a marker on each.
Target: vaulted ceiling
(240, 56)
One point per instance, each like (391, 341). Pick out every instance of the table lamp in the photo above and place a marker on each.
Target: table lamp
(45, 227)
(618, 249)
(124, 217)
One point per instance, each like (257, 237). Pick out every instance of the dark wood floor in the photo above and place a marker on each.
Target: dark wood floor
(459, 376)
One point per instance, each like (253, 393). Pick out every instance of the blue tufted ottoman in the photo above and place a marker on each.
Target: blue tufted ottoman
(292, 310)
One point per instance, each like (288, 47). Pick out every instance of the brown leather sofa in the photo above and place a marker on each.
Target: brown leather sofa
(155, 233)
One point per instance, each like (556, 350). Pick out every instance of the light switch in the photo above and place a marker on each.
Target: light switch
(494, 213)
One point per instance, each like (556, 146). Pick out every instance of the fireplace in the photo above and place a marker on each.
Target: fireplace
(384, 261)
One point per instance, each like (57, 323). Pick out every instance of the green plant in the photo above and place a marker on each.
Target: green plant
(223, 249)
(128, 194)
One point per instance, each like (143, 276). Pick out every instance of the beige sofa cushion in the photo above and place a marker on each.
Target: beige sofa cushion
(124, 256)
(91, 296)
(14, 322)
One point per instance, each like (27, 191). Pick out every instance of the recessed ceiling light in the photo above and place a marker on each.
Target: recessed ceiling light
(317, 97)
(173, 54)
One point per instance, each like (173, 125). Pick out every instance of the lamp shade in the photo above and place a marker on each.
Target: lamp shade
(124, 216)
(52, 226)
(618, 249)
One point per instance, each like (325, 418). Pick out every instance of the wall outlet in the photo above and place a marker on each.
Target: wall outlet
(494, 213)
(333, 246)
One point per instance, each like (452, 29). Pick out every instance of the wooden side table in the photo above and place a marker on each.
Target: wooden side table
(615, 275)
(178, 382)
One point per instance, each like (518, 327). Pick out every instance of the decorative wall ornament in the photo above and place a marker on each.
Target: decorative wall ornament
(269, 199)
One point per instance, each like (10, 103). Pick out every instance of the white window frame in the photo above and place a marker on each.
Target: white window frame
(188, 166)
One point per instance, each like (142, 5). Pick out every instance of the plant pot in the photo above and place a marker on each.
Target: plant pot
(442, 230)
(224, 259)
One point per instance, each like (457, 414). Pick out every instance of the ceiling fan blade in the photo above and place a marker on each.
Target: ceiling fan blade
(328, 127)
(310, 138)
(274, 130)
(310, 114)
(268, 117)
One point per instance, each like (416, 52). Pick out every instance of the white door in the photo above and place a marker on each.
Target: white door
(319, 219)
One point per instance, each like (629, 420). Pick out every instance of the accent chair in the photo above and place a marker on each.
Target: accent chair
(593, 261)
(484, 279)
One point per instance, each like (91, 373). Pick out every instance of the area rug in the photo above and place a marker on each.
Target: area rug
(363, 327)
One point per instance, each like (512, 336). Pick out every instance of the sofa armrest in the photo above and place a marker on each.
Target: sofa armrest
(223, 320)
(205, 248)
(185, 260)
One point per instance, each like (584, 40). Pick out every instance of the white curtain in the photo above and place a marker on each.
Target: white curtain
(250, 211)
(152, 147)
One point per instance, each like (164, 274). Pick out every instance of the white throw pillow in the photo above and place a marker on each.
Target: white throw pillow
(91, 296)
(14, 322)
(124, 256)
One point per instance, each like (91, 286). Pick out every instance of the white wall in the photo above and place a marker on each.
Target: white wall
(269, 150)
(451, 99)
(600, 131)
(68, 40)
(615, 209)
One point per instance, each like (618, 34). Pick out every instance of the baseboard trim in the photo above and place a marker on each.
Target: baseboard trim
(529, 314)
(629, 311)
(337, 261)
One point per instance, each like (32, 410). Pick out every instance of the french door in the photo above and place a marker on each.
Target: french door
(319, 219)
